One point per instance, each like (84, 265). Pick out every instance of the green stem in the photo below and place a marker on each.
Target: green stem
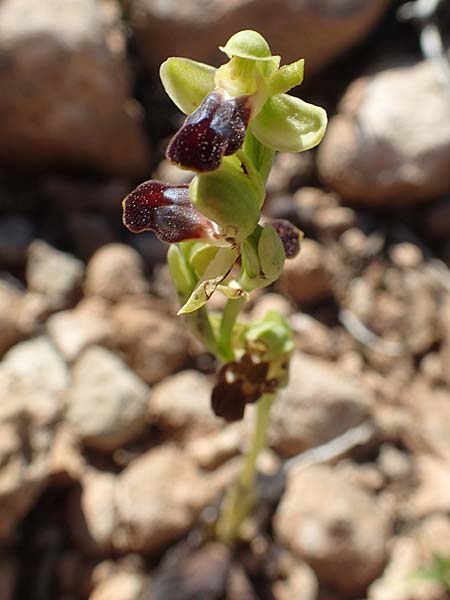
(225, 338)
(240, 498)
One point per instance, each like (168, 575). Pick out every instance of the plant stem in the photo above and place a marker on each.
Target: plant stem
(198, 322)
(240, 498)
(225, 338)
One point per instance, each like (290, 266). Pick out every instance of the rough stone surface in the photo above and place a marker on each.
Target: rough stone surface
(54, 274)
(92, 514)
(154, 344)
(33, 379)
(408, 553)
(383, 146)
(152, 511)
(72, 331)
(114, 271)
(64, 76)
(304, 277)
(299, 581)
(106, 402)
(10, 297)
(339, 529)
(319, 32)
(319, 404)
(183, 402)
(120, 586)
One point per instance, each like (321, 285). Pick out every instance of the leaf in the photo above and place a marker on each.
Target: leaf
(288, 124)
(186, 82)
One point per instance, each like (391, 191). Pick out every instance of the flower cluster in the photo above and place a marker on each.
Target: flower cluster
(238, 116)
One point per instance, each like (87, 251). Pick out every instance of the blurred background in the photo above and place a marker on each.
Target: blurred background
(111, 463)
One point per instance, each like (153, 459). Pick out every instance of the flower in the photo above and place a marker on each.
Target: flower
(248, 91)
(167, 210)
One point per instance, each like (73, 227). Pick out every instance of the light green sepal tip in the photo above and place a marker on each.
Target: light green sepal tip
(287, 77)
(247, 44)
(288, 124)
(216, 273)
(187, 82)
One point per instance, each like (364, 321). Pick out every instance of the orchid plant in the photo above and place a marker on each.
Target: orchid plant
(239, 115)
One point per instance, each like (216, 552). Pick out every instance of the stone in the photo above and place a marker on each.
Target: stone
(430, 411)
(432, 492)
(33, 380)
(319, 404)
(154, 344)
(158, 498)
(10, 298)
(54, 274)
(182, 404)
(409, 553)
(325, 30)
(92, 513)
(270, 301)
(320, 212)
(212, 450)
(33, 310)
(115, 270)
(72, 331)
(106, 402)
(299, 582)
(305, 278)
(336, 527)
(120, 586)
(382, 147)
(64, 76)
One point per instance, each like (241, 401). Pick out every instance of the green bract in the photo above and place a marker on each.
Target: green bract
(279, 121)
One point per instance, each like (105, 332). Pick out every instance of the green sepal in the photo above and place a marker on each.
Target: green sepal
(201, 256)
(182, 275)
(271, 338)
(287, 77)
(271, 253)
(230, 198)
(288, 124)
(247, 44)
(262, 258)
(216, 273)
(187, 82)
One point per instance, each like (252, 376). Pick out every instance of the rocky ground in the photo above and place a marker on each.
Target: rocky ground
(112, 464)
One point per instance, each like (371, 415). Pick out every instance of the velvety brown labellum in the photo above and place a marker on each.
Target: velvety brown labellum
(289, 234)
(166, 210)
(217, 128)
(240, 383)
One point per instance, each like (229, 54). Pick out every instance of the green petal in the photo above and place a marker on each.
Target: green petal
(288, 124)
(287, 77)
(247, 44)
(187, 82)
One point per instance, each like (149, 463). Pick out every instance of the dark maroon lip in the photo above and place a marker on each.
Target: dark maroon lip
(167, 211)
(216, 129)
